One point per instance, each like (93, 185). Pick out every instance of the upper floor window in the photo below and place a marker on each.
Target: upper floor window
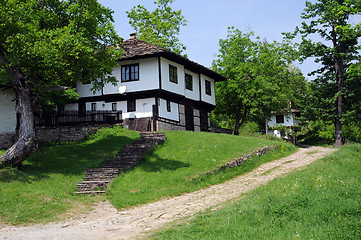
(208, 88)
(173, 75)
(130, 72)
(189, 82)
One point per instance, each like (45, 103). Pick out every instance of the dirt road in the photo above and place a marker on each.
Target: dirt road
(105, 222)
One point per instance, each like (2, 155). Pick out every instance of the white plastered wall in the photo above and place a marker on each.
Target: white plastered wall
(148, 77)
(173, 114)
(211, 99)
(178, 88)
(194, 95)
(288, 120)
(7, 113)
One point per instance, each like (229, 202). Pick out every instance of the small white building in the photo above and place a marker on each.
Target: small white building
(286, 118)
(157, 89)
(7, 118)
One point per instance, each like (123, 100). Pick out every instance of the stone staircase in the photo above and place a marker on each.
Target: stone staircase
(97, 179)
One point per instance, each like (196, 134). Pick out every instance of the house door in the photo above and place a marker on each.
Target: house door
(204, 121)
(189, 118)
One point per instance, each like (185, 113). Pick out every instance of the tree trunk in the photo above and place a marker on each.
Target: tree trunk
(339, 72)
(27, 143)
(239, 124)
(266, 125)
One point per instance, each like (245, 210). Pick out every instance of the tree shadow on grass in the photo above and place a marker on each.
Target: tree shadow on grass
(68, 159)
(153, 163)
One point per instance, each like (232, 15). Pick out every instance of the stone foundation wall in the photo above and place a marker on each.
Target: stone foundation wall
(66, 133)
(6, 140)
(165, 126)
(59, 134)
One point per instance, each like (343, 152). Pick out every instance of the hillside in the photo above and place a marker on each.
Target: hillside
(43, 189)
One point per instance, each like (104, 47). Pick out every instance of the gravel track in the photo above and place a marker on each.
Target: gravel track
(106, 222)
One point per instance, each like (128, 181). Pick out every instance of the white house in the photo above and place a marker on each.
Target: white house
(287, 119)
(157, 90)
(7, 119)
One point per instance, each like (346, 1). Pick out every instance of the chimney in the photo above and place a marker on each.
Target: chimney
(133, 36)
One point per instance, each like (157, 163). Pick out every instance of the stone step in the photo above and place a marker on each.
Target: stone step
(89, 192)
(97, 179)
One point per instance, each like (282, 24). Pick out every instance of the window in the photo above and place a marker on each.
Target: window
(114, 106)
(280, 119)
(82, 109)
(130, 72)
(94, 106)
(131, 105)
(173, 75)
(168, 106)
(189, 82)
(208, 88)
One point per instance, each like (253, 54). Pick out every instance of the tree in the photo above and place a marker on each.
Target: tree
(47, 44)
(336, 52)
(259, 78)
(160, 27)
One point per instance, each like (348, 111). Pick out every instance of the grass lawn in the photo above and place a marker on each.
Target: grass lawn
(320, 202)
(168, 170)
(43, 189)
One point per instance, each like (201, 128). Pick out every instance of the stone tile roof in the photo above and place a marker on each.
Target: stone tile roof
(135, 49)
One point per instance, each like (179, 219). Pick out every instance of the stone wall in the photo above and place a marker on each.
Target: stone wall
(238, 162)
(169, 126)
(221, 130)
(197, 120)
(6, 140)
(66, 133)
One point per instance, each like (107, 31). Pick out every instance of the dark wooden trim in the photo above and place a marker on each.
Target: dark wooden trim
(155, 114)
(160, 72)
(156, 93)
(200, 87)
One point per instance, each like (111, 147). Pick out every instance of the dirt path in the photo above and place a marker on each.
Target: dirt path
(105, 222)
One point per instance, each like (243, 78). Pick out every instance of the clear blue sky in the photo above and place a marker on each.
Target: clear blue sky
(208, 20)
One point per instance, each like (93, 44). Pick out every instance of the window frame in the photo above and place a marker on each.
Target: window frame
(279, 120)
(93, 107)
(131, 105)
(114, 108)
(173, 74)
(169, 109)
(126, 71)
(208, 87)
(188, 78)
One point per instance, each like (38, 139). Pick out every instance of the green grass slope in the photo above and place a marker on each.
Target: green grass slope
(44, 187)
(168, 170)
(42, 190)
(321, 202)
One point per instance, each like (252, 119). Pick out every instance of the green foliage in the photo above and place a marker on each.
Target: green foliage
(335, 91)
(56, 43)
(320, 202)
(168, 170)
(160, 27)
(260, 78)
(43, 189)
